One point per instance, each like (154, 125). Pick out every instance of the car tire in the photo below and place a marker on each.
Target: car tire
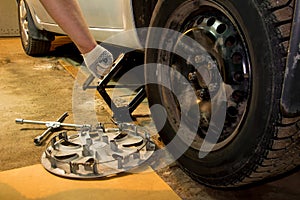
(259, 142)
(35, 42)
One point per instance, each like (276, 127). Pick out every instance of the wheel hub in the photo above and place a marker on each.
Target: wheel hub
(222, 61)
(23, 22)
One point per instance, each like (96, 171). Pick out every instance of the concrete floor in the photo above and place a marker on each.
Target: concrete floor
(39, 88)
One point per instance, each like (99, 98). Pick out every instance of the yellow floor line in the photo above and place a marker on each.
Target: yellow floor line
(73, 71)
(34, 182)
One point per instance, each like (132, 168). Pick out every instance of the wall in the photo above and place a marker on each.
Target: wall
(9, 18)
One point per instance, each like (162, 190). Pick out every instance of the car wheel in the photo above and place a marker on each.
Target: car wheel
(244, 43)
(34, 41)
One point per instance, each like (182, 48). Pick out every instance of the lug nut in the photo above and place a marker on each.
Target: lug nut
(192, 76)
(199, 59)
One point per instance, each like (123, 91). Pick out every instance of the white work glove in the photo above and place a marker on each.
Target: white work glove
(99, 61)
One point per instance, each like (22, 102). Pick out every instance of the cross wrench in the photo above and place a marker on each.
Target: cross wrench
(51, 126)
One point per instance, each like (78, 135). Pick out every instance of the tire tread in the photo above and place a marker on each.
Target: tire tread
(283, 153)
(38, 47)
(279, 153)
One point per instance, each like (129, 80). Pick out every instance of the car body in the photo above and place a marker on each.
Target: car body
(105, 19)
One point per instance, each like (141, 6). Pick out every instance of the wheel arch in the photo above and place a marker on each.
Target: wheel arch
(143, 12)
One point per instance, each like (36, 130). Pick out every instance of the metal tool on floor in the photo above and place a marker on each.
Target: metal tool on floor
(52, 126)
(93, 151)
(121, 114)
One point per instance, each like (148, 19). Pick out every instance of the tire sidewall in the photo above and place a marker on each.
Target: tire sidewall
(256, 131)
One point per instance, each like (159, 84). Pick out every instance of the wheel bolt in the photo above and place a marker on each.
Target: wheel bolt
(232, 111)
(199, 59)
(192, 76)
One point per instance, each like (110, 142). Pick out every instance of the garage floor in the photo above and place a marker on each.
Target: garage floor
(41, 89)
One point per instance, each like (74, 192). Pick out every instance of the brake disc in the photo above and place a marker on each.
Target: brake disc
(98, 152)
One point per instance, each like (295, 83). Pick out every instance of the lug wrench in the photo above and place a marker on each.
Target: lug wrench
(51, 126)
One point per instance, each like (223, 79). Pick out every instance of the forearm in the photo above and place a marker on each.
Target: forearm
(67, 14)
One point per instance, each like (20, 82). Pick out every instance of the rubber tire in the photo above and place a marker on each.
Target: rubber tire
(39, 41)
(267, 144)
